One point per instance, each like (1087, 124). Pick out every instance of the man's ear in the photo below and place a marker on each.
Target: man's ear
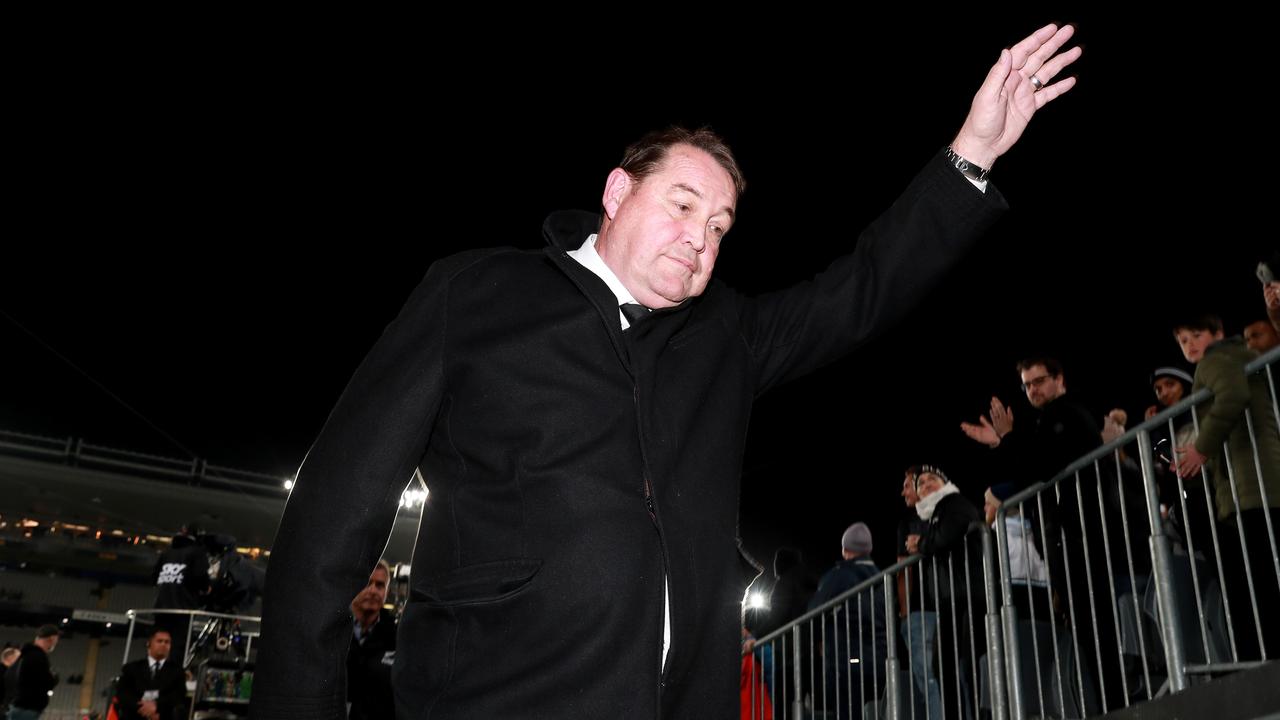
(615, 190)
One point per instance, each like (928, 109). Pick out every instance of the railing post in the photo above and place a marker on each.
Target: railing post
(891, 648)
(1162, 571)
(797, 700)
(996, 661)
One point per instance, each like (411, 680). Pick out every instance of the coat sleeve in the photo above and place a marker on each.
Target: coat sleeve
(342, 506)
(1220, 373)
(129, 690)
(955, 514)
(173, 693)
(895, 261)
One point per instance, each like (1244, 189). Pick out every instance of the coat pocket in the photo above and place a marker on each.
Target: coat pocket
(478, 584)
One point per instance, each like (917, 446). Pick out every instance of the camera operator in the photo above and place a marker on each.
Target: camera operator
(182, 582)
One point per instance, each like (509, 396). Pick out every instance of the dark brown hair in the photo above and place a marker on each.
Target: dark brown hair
(645, 155)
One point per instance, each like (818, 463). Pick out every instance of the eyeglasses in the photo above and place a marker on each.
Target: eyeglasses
(1035, 382)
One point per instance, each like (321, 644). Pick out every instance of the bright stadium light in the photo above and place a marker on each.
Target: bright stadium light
(413, 499)
(757, 601)
(288, 484)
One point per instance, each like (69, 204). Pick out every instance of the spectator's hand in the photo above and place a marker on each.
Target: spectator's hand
(361, 598)
(1001, 417)
(148, 710)
(989, 433)
(1270, 294)
(1191, 461)
(913, 544)
(1007, 99)
(1113, 425)
(1150, 413)
(983, 433)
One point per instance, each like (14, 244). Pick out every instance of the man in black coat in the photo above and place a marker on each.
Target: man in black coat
(373, 648)
(953, 578)
(33, 680)
(577, 555)
(153, 687)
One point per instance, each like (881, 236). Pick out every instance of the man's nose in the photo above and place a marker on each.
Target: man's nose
(695, 234)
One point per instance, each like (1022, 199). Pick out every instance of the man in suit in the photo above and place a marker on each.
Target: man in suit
(580, 415)
(373, 648)
(154, 687)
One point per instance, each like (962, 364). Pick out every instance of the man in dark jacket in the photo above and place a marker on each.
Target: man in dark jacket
(577, 555)
(373, 649)
(33, 679)
(1060, 432)
(953, 577)
(153, 687)
(854, 645)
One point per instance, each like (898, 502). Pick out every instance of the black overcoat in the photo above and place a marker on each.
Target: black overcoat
(571, 467)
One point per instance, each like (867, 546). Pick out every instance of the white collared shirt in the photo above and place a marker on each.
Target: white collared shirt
(588, 258)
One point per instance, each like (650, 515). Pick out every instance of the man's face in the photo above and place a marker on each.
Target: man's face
(374, 595)
(1260, 336)
(662, 235)
(1194, 342)
(909, 490)
(1168, 391)
(928, 484)
(159, 645)
(1041, 387)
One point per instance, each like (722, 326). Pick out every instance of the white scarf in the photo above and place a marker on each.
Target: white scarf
(925, 506)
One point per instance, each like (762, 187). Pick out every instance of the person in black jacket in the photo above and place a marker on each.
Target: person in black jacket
(373, 648)
(578, 553)
(954, 563)
(153, 687)
(182, 582)
(854, 645)
(8, 658)
(32, 678)
(1060, 432)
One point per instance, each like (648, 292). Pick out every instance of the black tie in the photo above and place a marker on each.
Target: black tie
(634, 312)
(155, 666)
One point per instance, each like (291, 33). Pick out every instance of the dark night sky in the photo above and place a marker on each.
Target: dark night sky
(219, 242)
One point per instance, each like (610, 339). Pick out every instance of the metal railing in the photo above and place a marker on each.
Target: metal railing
(841, 659)
(1085, 620)
(205, 637)
(75, 451)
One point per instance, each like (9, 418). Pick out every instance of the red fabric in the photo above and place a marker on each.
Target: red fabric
(753, 688)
